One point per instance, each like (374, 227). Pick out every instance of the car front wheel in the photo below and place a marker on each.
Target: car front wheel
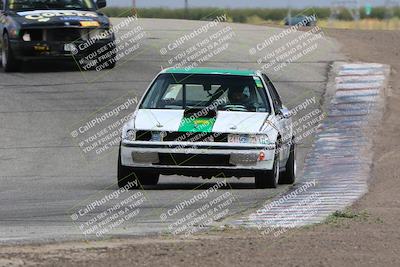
(128, 175)
(289, 175)
(270, 178)
(8, 60)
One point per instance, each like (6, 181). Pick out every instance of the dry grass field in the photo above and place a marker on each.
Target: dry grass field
(365, 24)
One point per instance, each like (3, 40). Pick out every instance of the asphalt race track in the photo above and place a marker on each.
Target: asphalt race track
(43, 175)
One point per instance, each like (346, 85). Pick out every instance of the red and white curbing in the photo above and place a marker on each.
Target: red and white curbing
(338, 166)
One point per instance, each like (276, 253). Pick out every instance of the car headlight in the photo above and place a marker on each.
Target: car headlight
(129, 135)
(249, 139)
(100, 34)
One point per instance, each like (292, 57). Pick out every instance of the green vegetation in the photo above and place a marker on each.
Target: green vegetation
(242, 15)
(339, 216)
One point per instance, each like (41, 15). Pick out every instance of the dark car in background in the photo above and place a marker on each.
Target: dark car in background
(52, 29)
(300, 20)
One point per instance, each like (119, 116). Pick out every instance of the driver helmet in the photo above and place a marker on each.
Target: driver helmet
(236, 94)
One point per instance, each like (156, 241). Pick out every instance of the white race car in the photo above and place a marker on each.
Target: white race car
(209, 123)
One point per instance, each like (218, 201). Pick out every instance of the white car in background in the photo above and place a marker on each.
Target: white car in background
(209, 123)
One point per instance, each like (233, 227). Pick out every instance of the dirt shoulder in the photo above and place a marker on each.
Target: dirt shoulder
(369, 236)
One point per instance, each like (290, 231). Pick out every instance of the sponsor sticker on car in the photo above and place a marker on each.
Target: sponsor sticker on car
(203, 125)
(89, 23)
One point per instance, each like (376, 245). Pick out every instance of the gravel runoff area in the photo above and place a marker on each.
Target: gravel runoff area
(364, 235)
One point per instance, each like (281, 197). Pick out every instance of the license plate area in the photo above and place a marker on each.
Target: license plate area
(239, 139)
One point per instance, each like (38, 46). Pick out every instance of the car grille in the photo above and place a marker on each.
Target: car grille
(57, 35)
(64, 35)
(185, 137)
(193, 160)
(143, 135)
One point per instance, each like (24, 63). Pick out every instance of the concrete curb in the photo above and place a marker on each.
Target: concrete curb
(337, 168)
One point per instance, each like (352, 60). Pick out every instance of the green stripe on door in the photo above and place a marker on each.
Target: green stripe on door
(197, 125)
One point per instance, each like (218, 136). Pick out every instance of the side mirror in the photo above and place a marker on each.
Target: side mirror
(285, 113)
(101, 4)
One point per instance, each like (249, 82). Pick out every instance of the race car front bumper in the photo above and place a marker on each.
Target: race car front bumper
(43, 50)
(198, 158)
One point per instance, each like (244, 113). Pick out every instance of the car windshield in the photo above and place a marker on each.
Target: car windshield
(24, 5)
(223, 92)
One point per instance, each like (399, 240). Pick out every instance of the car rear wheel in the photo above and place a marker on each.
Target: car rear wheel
(128, 175)
(105, 64)
(270, 178)
(111, 64)
(289, 175)
(8, 60)
(107, 61)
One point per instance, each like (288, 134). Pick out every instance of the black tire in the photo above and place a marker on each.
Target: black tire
(289, 175)
(125, 174)
(8, 60)
(270, 178)
(146, 178)
(110, 61)
(111, 65)
(129, 174)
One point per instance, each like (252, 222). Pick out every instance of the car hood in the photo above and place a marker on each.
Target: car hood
(48, 18)
(223, 122)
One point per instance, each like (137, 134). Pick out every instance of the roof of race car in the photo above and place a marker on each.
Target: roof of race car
(210, 71)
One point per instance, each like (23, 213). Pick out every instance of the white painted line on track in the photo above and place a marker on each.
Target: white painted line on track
(344, 73)
(360, 78)
(358, 85)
